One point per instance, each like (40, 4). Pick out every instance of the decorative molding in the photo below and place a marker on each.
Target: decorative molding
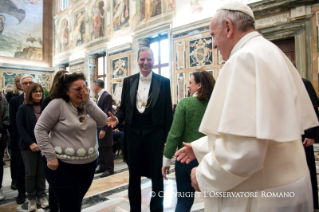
(76, 62)
(191, 28)
(119, 49)
(269, 7)
(25, 67)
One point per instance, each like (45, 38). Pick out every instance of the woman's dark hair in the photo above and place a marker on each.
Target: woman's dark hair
(28, 96)
(208, 83)
(63, 84)
(55, 80)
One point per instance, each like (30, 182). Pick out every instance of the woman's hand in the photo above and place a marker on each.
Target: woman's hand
(53, 164)
(85, 93)
(34, 147)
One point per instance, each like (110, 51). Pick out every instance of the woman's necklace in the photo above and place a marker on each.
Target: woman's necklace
(74, 108)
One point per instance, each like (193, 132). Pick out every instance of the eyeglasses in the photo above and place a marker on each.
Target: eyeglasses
(36, 91)
(80, 111)
(27, 83)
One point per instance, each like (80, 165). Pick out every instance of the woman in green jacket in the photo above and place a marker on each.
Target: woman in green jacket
(188, 116)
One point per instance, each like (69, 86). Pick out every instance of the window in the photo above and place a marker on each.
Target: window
(64, 4)
(160, 47)
(101, 67)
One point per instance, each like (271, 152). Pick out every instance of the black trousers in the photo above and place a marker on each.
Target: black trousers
(69, 183)
(145, 154)
(2, 147)
(20, 170)
(106, 158)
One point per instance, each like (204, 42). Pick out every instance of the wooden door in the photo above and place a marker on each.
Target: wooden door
(288, 47)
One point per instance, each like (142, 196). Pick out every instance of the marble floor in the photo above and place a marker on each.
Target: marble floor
(110, 193)
(106, 194)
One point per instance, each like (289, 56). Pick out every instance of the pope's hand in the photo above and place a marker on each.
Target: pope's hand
(111, 120)
(194, 180)
(185, 154)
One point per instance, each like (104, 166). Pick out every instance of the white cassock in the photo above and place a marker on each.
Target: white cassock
(254, 121)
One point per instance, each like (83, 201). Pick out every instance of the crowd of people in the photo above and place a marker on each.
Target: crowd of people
(240, 134)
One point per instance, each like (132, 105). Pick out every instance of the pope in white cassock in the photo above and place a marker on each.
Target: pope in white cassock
(254, 121)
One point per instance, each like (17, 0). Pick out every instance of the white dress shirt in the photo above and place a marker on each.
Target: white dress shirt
(143, 91)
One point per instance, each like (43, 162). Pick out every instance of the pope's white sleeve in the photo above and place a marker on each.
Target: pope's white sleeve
(232, 160)
(203, 146)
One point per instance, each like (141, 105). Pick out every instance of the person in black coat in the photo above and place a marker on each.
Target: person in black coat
(146, 107)
(309, 138)
(15, 102)
(16, 91)
(27, 116)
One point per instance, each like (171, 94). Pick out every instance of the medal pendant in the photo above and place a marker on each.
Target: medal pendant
(143, 104)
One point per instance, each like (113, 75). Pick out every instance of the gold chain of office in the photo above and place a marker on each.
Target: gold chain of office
(139, 99)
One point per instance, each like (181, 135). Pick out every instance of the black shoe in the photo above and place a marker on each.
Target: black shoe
(106, 174)
(20, 198)
(116, 157)
(99, 171)
(14, 185)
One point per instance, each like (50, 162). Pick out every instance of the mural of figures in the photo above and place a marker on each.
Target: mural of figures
(169, 5)
(18, 39)
(79, 29)
(181, 86)
(117, 91)
(120, 14)
(180, 55)
(150, 8)
(197, 6)
(44, 80)
(64, 36)
(220, 60)
(200, 52)
(8, 78)
(98, 18)
(120, 67)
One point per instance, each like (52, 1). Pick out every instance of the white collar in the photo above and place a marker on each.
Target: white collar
(194, 94)
(147, 78)
(100, 93)
(243, 41)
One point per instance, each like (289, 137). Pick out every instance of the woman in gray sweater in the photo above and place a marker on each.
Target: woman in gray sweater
(71, 150)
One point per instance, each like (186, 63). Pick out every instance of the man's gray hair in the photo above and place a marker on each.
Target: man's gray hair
(242, 21)
(143, 49)
(26, 76)
(99, 83)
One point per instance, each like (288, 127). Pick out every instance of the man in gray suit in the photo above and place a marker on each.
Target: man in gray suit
(106, 157)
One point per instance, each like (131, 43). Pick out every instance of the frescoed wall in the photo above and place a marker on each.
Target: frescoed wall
(21, 24)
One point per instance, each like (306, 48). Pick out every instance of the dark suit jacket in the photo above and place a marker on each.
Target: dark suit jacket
(14, 104)
(161, 102)
(26, 122)
(105, 103)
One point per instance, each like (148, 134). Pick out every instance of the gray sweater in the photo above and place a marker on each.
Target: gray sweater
(70, 140)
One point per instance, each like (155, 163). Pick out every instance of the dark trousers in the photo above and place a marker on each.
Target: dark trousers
(106, 158)
(13, 160)
(2, 147)
(53, 202)
(69, 183)
(145, 159)
(119, 136)
(184, 186)
(20, 171)
(34, 175)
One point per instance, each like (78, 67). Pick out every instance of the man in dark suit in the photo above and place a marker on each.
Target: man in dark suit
(15, 102)
(146, 107)
(309, 138)
(105, 138)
